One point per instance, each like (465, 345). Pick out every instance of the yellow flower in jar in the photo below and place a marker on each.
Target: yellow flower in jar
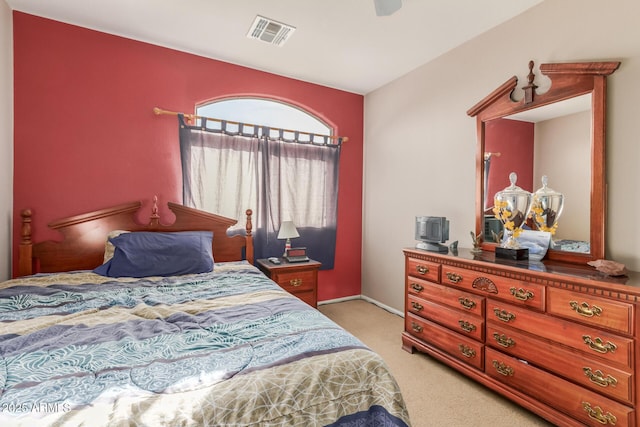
(551, 229)
(499, 207)
(537, 209)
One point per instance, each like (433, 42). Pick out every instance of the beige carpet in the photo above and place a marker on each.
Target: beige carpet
(436, 395)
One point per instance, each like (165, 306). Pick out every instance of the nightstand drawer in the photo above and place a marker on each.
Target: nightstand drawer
(307, 296)
(299, 279)
(296, 281)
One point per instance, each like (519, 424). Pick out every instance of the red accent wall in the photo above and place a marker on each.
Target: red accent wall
(513, 139)
(86, 137)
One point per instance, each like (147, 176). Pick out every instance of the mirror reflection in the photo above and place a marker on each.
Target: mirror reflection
(553, 141)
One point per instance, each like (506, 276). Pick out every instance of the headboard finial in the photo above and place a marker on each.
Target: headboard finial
(154, 220)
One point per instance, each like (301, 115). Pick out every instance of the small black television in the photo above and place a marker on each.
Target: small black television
(431, 232)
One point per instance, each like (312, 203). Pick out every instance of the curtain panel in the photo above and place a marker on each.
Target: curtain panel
(228, 173)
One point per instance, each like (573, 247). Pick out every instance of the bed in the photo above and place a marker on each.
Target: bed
(208, 348)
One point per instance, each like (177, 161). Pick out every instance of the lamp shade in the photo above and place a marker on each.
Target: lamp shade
(287, 230)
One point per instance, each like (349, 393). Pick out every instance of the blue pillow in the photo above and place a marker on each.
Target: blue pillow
(144, 253)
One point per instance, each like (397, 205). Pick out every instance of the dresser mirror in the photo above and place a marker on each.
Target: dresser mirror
(558, 133)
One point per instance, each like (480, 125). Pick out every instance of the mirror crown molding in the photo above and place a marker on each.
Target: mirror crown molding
(568, 80)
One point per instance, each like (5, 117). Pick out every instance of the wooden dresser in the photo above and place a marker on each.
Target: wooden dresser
(559, 339)
(298, 278)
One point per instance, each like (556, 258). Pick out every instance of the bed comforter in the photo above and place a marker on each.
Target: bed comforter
(226, 348)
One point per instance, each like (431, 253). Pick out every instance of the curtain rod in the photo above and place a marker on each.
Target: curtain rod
(159, 111)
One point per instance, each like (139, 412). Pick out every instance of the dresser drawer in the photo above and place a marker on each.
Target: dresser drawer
(587, 372)
(296, 281)
(459, 321)
(423, 269)
(589, 340)
(449, 296)
(582, 404)
(458, 346)
(514, 291)
(601, 312)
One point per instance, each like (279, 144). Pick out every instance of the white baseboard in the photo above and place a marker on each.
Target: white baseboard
(381, 305)
(343, 299)
(366, 298)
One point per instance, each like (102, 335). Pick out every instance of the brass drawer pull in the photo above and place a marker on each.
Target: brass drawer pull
(416, 306)
(521, 294)
(466, 326)
(453, 277)
(584, 309)
(416, 327)
(421, 269)
(295, 282)
(599, 378)
(466, 303)
(598, 414)
(467, 351)
(503, 340)
(504, 315)
(417, 287)
(599, 345)
(502, 369)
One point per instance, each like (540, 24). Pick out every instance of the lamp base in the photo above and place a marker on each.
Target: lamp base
(287, 245)
(515, 254)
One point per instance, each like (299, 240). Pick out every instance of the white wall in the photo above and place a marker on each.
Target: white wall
(6, 138)
(561, 150)
(420, 144)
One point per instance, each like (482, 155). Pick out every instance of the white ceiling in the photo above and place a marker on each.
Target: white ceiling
(337, 43)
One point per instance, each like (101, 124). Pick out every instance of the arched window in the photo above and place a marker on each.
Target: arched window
(277, 172)
(264, 112)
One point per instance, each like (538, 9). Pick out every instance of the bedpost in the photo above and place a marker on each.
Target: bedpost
(249, 237)
(25, 256)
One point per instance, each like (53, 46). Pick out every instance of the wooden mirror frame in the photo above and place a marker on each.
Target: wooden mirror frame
(568, 80)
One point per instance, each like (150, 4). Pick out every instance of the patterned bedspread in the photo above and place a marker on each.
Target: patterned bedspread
(215, 349)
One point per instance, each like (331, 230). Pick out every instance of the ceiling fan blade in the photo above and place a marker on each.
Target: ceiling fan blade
(387, 7)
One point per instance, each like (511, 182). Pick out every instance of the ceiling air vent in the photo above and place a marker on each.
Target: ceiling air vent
(270, 31)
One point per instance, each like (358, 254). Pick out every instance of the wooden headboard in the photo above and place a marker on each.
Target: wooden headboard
(84, 236)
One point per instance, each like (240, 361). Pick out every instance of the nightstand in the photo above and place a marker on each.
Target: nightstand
(299, 278)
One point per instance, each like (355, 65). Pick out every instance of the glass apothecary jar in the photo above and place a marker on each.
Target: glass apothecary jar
(546, 207)
(511, 207)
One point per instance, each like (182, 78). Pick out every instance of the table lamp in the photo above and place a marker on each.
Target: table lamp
(287, 231)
